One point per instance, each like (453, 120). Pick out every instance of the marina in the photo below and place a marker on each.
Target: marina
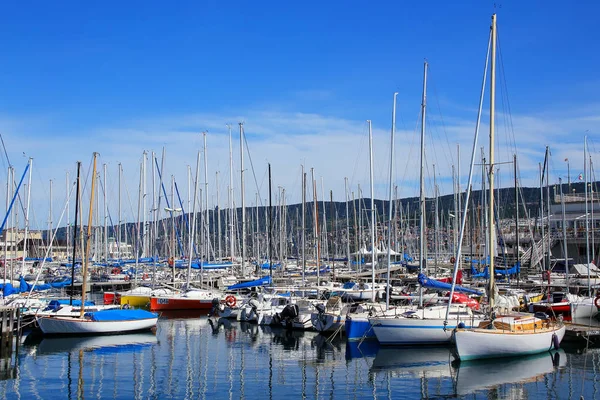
(189, 358)
(303, 254)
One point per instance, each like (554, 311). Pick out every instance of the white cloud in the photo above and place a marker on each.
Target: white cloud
(335, 147)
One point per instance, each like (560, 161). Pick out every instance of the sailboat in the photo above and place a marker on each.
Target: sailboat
(98, 322)
(506, 335)
(426, 324)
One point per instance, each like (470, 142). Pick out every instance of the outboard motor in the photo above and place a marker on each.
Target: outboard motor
(215, 306)
(288, 314)
(254, 305)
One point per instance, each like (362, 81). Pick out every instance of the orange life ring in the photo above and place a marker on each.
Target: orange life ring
(231, 301)
(171, 261)
(452, 260)
(597, 301)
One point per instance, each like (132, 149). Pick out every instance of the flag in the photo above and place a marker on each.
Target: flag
(580, 177)
(566, 160)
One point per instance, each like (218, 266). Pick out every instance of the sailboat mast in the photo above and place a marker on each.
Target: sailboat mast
(391, 200)
(491, 221)
(89, 240)
(242, 189)
(74, 236)
(347, 223)
(373, 228)
(587, 218)
(303, 226)
(423, 258)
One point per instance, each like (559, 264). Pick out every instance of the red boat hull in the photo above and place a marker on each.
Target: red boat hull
(553, 309)
(111, 298)
(177, 303)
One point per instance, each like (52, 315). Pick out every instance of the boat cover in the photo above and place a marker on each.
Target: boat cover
(433, 284)
(265, 280)
(120, 315)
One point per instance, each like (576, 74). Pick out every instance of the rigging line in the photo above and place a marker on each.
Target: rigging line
(412, 144)
(251, 164)
(504, 82)
(359, 151)
(440, 112)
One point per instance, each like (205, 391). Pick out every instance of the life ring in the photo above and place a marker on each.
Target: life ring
(231, 301)
(452, 260)
(171, 262)
(145, 276)
(597, 301)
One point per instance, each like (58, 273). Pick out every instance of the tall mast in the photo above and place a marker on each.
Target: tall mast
(347, 222)
(218, 234)
(27, 216)
(193, 233)
(373, 227)
(89, 240)
(75, 235)
(207, 219)
(517, 239)
(303, 226)
(231, 210)
(491, 222)
(105, 215)
(242, 189)
(50, 216)
(391, 199)
(423, 257)
(67, 185)
(120, 216)
(587, 218)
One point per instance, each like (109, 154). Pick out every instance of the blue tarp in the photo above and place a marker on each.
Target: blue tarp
(55, 304)
(265, 280)
(511, 271)
(268, 266)
(49, 259)
(433, 284)
(120, 315)
(485, 274)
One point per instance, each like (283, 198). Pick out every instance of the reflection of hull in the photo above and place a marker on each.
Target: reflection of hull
(179, 303)
(432, 361)
(77, 326)
(116, 342)
(493, 343)
(483, 374)
(355, 349)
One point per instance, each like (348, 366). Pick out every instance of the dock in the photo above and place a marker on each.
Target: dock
(579, 333)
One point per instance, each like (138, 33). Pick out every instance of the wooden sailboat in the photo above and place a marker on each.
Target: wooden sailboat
(98, 322)
(509, 335)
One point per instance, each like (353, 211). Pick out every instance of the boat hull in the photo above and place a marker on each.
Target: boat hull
(135, 300)
(78, 326)
(359, 328)
(489, 343)
(174, 303)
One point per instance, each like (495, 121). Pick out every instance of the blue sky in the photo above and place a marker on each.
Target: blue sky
(123, 77)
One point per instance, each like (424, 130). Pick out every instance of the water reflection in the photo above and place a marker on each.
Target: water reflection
(478, 375)
(213, 358)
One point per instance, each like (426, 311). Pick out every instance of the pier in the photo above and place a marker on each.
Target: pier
(579, 333)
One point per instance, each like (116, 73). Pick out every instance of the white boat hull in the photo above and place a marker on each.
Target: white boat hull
(584, 309)
(489, 343)
(78, 326)
(408, 331)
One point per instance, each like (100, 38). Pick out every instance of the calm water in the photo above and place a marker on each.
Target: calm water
(188, 358)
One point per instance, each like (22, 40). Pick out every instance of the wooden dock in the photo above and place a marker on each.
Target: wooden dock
(582, 333)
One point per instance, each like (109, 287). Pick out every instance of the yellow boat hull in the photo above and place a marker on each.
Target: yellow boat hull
(135, 301)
